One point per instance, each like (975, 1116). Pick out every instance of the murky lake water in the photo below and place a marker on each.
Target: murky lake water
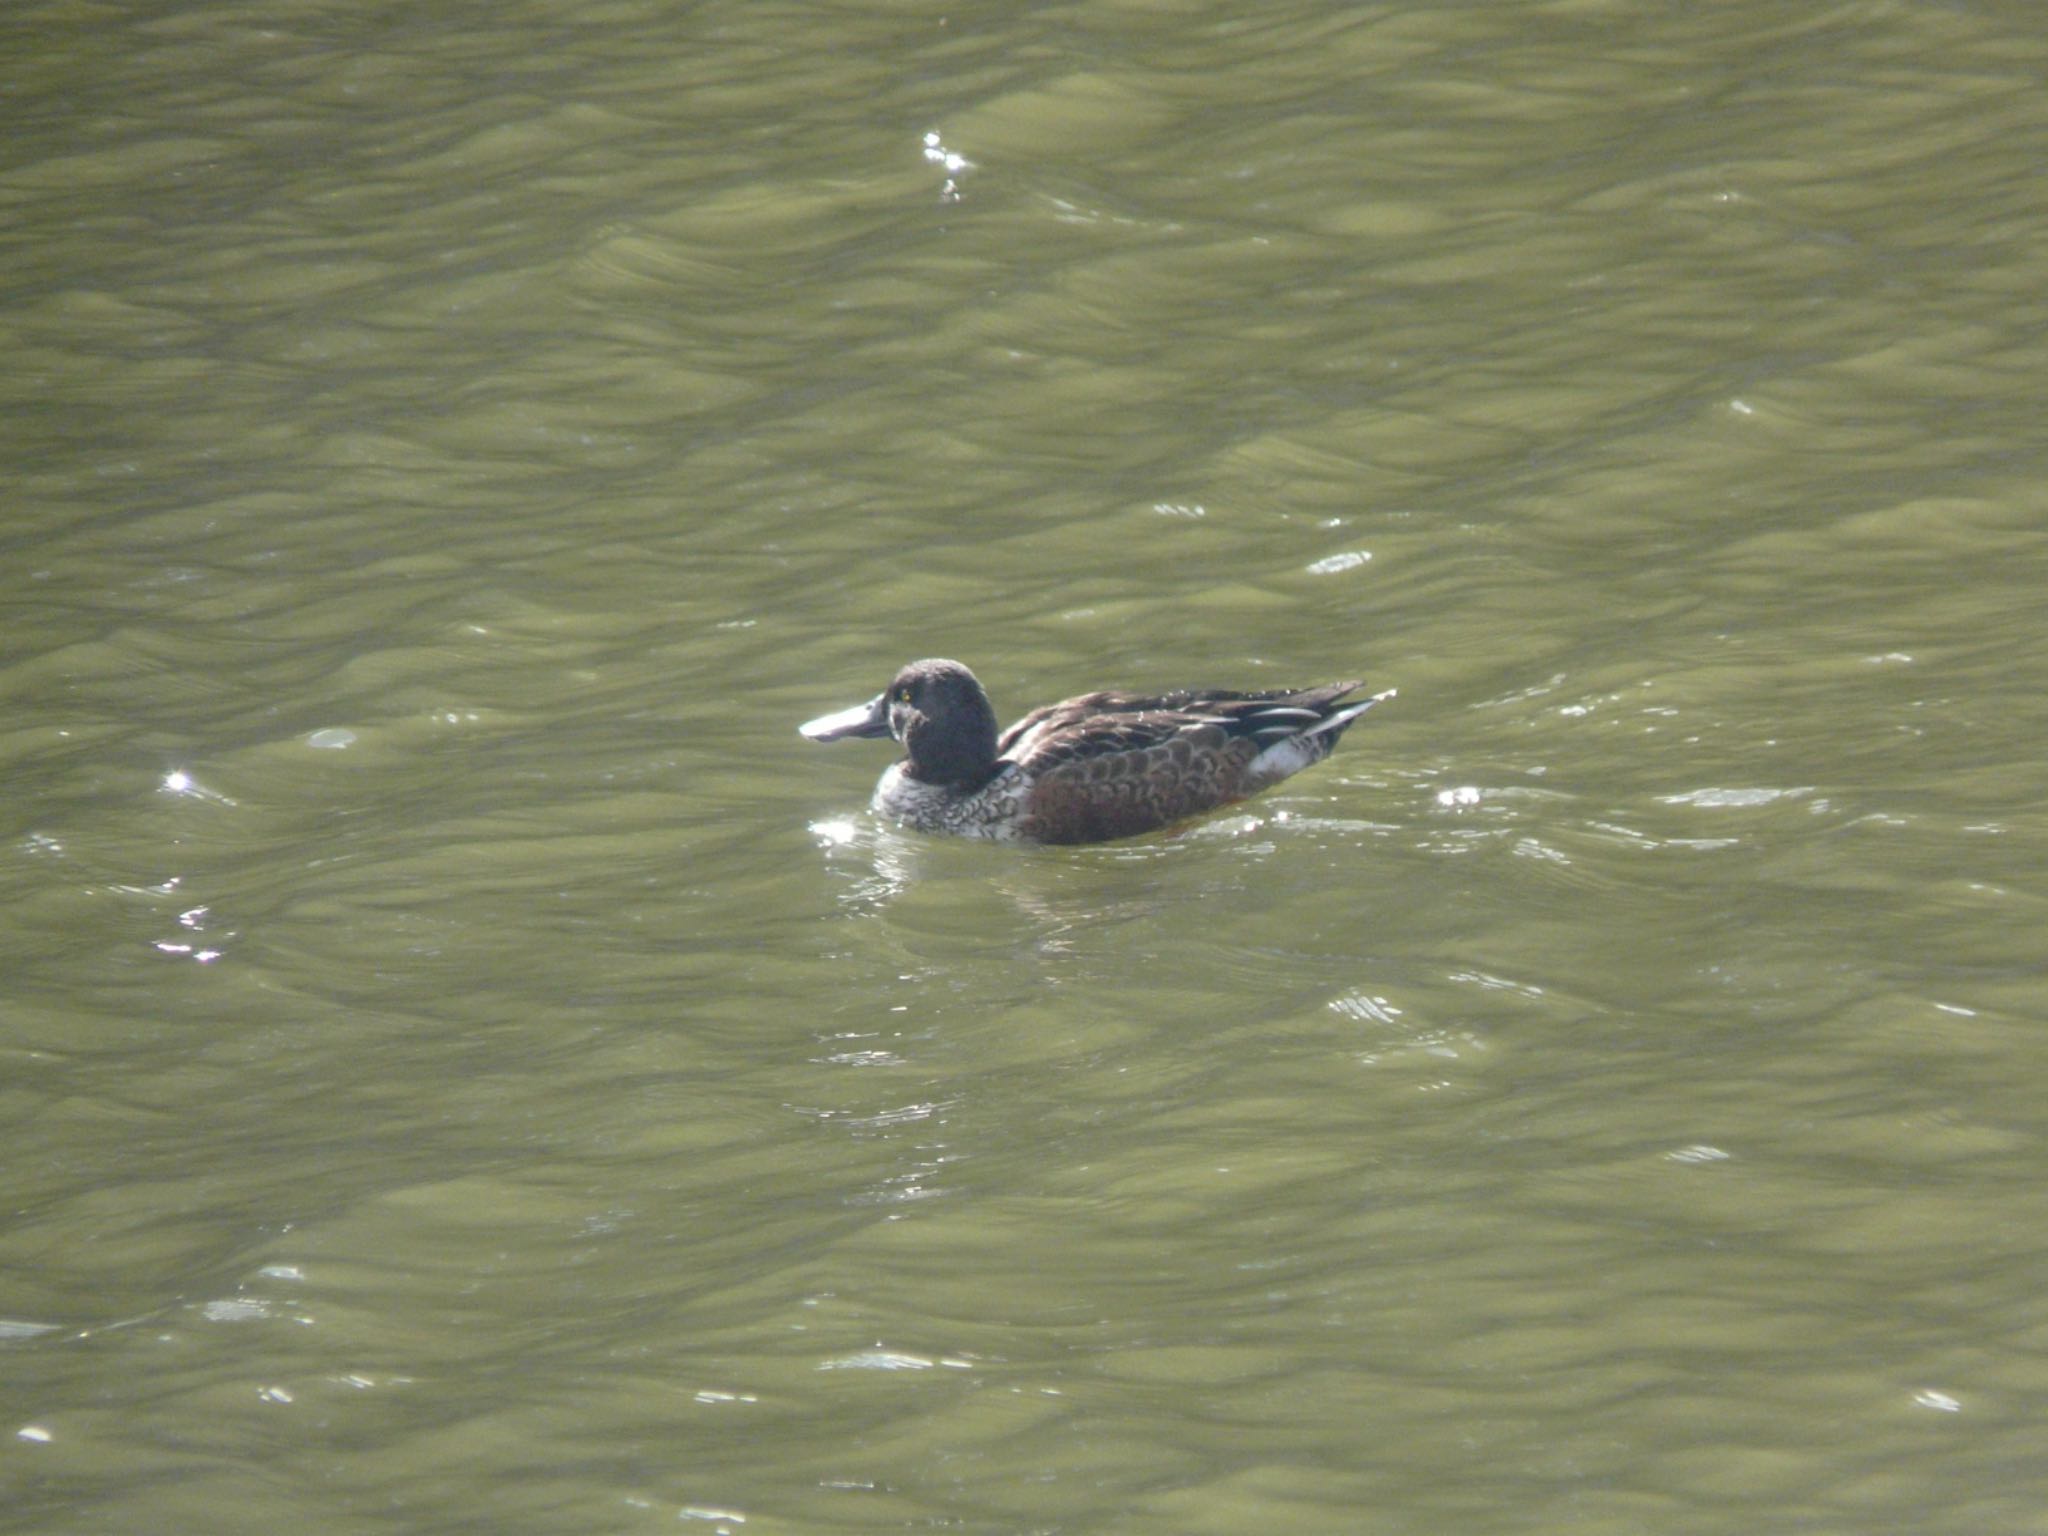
(468, 1064)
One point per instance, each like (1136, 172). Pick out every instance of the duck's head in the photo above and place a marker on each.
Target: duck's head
(937, 709)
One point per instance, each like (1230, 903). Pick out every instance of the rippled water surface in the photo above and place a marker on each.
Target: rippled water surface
(467, 1064)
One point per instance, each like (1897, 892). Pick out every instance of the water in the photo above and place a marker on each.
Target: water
(468, 1064)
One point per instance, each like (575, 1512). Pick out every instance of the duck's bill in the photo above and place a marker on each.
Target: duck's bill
(869, 719)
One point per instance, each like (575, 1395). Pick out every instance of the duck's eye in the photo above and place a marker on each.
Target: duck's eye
(903, 695)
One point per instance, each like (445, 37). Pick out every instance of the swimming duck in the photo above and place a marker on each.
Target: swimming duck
(1088, 769)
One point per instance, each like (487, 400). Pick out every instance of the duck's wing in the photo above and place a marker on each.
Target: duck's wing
(1092, 714)
(1057, 739)
(1111, 724)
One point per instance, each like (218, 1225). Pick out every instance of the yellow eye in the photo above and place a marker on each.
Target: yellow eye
(902, 695)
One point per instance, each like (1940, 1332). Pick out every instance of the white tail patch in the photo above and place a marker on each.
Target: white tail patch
(1299, 748)
(1345, 716)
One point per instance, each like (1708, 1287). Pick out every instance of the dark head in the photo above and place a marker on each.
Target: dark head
(940, 713)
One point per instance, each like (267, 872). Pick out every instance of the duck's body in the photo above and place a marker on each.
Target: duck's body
(1089, 769)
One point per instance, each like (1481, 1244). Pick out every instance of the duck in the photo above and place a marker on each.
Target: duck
(1089, 769)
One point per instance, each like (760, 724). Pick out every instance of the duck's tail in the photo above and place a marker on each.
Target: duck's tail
(1291, 745)
(1332, 725)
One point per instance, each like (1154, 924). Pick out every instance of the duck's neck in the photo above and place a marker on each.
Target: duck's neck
(960, 754)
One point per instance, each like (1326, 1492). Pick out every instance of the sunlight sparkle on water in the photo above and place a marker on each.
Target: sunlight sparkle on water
(179, 782)
(1330, 565)
(1717, 798)
(833, 834)
(953, 165)
(936, 152)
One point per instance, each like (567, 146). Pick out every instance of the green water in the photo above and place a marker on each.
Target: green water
(466, 1064)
